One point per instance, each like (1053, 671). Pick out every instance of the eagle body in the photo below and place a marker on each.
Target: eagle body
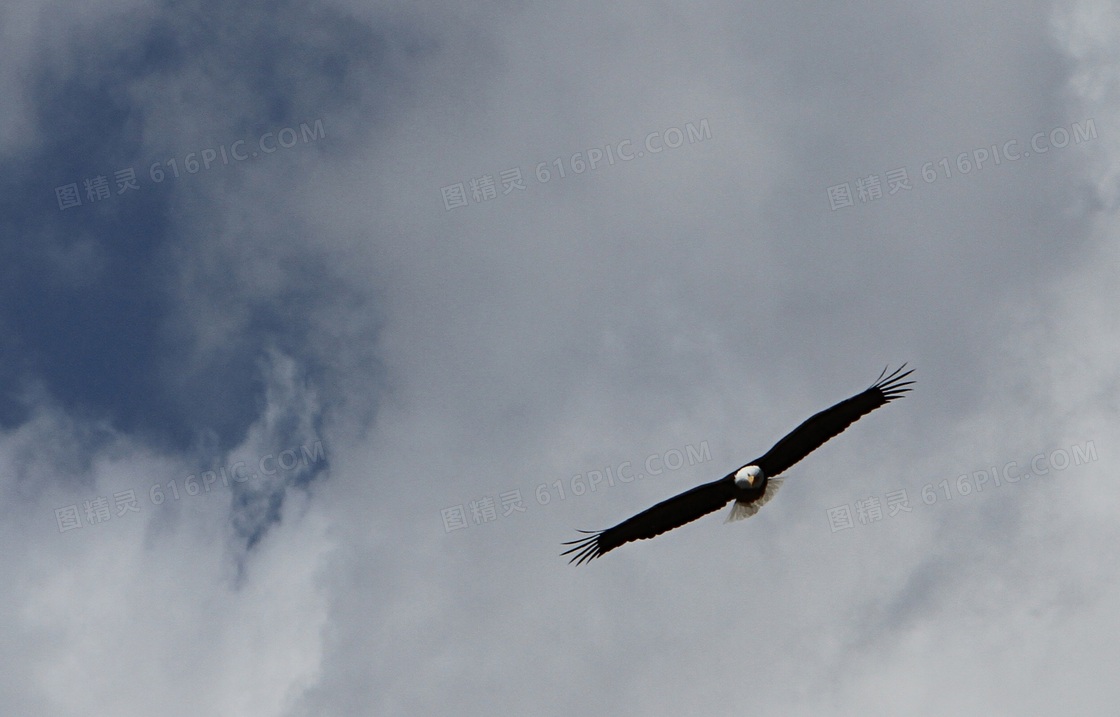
(753, 490)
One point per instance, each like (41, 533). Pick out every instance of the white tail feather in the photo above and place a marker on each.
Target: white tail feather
(739, 511)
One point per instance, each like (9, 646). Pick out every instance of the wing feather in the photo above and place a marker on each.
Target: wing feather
(666, 515)
(817, 430)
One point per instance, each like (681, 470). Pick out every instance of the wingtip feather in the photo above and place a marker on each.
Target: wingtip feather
(894, 385)
(585, 549)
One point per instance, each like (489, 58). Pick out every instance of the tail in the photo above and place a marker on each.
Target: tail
(739, 511)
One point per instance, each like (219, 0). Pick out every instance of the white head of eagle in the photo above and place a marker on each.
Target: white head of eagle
(747, 477)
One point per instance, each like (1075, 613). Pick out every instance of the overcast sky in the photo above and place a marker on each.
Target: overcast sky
(324, 326)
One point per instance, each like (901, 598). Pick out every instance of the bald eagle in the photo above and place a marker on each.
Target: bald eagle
(751, 485)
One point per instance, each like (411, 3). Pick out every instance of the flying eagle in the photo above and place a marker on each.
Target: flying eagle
(750, 486)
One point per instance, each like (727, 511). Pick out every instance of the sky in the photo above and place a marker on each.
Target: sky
(323, 325)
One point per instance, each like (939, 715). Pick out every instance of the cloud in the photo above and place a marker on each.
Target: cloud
(324, 297)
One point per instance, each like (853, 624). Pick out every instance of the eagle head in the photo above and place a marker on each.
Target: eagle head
(748, 477)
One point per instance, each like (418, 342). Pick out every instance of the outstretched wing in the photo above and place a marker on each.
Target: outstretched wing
(666, 515)
(813, 433)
